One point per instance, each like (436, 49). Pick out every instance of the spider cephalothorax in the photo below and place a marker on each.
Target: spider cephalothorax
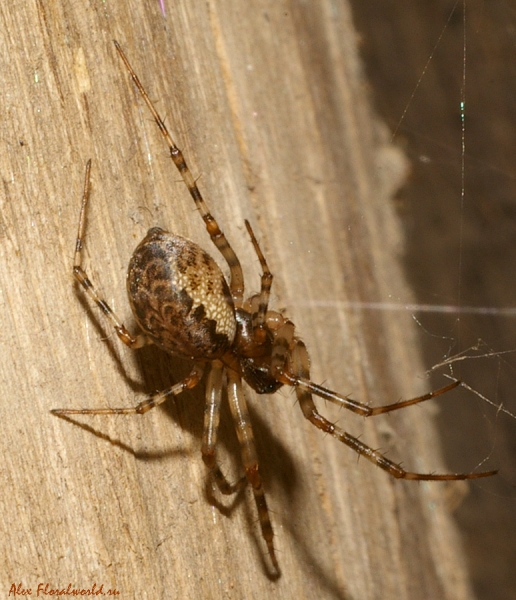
(183, 304)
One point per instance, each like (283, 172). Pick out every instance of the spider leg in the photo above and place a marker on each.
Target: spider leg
(80, 275)
(260, 303)
(238, 407)
(286, 342)
(217, 236)
(211, 427)
(364, 409)
(186, 384)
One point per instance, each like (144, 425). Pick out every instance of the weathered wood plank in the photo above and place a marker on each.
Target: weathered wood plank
(267, 102)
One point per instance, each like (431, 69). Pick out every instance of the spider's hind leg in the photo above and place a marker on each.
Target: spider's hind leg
(187, 383)
(81, 277)
(217, 236)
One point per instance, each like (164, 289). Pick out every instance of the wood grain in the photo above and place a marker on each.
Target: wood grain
(268, 103)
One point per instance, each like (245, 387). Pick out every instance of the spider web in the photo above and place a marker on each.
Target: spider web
(455, 121)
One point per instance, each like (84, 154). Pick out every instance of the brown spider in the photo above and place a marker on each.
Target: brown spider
(183, 304)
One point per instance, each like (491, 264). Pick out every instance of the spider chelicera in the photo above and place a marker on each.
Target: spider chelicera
(183, 304)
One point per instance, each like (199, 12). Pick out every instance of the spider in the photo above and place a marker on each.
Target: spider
(182, 303)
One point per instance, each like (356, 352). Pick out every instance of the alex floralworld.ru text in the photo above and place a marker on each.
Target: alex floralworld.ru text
(45, 589)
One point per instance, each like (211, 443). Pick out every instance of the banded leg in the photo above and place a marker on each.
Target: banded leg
(300, 367)
(211, 428)
(260, 303)
(217, 236)
(299, 377)
(358, 407)
(81, 276)
(238, 407)
(285, 342)
(186, 384)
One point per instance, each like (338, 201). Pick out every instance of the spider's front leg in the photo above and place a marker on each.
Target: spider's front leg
(291, 366)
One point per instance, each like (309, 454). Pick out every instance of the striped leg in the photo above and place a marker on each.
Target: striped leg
(211, 427)
(238, 407)
(81, 276)
(297, 374)
(260, 303)
(217, 236)
(186, 384)
(304, 389)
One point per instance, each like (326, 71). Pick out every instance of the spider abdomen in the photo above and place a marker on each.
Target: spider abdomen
(179, 297)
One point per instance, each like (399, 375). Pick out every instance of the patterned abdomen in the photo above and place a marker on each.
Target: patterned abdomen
(179, 297)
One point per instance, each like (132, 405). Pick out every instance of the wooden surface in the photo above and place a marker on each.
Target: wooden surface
(268, 105)
(460, 252)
